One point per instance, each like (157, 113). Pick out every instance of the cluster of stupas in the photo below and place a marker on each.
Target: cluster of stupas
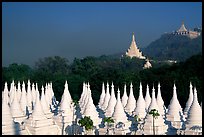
(27, 111)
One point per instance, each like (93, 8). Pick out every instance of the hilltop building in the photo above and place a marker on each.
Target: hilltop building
(184, 32)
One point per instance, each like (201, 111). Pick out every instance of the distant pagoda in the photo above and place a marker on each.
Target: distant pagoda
(184, 32)
(134, 51)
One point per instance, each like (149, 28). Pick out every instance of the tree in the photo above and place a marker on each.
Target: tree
(86, 122)
(154, 114)
(109, 122)
(136, 119)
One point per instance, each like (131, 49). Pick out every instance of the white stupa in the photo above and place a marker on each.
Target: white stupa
(160, 102)
(23, 100)
(45, 105)
(11, 92)
(174, 114)
(85, 100)
(38, 123)
(194, 119)
(82, 94)
(106, 99)
(111, 104)
(160, 127)
(90, 110)
(131, 103)
(140, 106)
(29, 98)
(119, 113)
(124, 97)
(5, 93)
(33, 95)
(102, 96)
(18, 92)
(147, 98)
(65, 114)
(8, 125)
(16, 110)
(189, 102)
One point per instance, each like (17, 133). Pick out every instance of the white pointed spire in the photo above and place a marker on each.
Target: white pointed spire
(160, 127)
(111, 104)
(175, 114)
(16, 111)
(23, 100)
(29, 97)
(195, 113)
(140, 106)
(107, 97)
(33, 94)
(131, 103)
(18, 93)
(43, 102)
(160, 102)
(147, 98)
(190, 100)
(125, 97)
(5, 93)
(119, 113)
(102, 96)
(7, 119)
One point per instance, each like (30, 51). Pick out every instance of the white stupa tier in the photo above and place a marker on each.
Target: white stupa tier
(189, 102)
(33, 95)
(29, 98)
(140, 106)
(111, 104)
(16, 110)
(124, 97)
(160, 102)
(119, 113)
(23, 100)
(18, 92)
(38, 123)
(133, 51)
(11, 93)
(194, 119)
(8, 125)
(131, 102)
(174, 114)
(65, 114)
(90, 110)
(102, 96)
(147, 98)
(106, 99)
(160, 126)
(45, 105)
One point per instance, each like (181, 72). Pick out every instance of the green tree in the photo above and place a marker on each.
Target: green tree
(86, 122)
(109, 122)
(154, 114)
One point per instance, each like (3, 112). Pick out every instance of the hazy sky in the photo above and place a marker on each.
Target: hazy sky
(35, 30)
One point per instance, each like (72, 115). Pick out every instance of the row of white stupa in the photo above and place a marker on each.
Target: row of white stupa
(28, 113)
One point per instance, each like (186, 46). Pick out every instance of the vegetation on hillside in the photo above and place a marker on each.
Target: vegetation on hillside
(169, 46)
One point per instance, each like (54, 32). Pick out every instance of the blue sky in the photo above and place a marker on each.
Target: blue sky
(35, 30)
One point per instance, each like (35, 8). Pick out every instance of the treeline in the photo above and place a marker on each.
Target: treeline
(120, 71)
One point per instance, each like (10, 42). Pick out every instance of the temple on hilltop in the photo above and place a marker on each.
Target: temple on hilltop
(133, 51)
(184, 32)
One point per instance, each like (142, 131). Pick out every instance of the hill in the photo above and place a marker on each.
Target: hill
(171, 47)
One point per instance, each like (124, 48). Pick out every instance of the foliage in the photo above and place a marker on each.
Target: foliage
(154, 114)
(120, 71)
(86, 122)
